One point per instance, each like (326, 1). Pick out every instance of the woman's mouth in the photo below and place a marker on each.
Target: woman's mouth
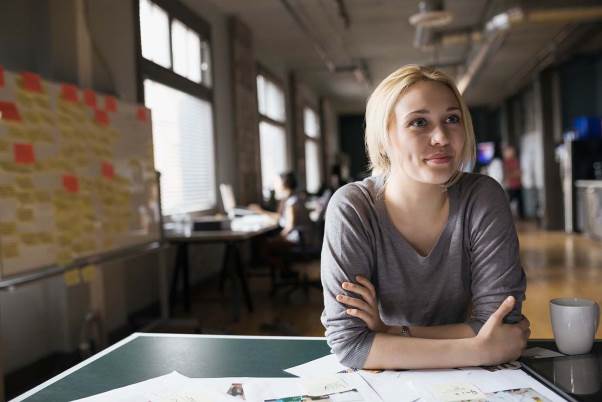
(439, 159)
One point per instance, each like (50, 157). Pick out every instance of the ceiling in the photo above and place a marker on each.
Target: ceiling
(305, 35)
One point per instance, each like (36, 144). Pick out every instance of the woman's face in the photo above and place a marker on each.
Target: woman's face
(427, 133)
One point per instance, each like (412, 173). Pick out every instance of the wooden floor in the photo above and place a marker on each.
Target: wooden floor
(557, 265)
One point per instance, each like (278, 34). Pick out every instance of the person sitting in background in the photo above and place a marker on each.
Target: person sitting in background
(512, 179)
(495, 169)
(293, 218)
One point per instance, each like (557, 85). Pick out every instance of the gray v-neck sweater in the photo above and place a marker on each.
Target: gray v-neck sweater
(471, 269)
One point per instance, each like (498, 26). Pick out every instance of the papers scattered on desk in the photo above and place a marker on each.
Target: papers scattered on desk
(500, 383)
(326, 380)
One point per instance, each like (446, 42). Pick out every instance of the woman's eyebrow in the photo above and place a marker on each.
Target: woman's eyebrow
(426, 111)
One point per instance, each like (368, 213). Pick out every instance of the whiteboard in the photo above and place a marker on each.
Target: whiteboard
(77, 176)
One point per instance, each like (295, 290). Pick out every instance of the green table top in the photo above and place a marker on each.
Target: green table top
(143, 356)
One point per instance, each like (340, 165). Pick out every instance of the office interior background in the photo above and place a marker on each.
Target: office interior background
(241, 91)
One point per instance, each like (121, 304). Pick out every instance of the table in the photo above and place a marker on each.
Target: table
(232, 263)
(143, 356)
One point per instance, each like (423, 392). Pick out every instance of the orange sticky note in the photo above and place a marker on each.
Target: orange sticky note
(1, 76)
(110, 103)
(107, 170)
(141, 114)
(70, 183)
(90, 97)
(69, 92)
(31, 82)
(24, 154)
(9, 111)
(101, 117)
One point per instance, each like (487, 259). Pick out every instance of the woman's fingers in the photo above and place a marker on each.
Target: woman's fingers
(353, 302)
(524, 323)
(367, 318)
(365, 282)
(360, 290)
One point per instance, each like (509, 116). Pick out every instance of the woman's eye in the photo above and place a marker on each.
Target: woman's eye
(454, 118)
(419, 123)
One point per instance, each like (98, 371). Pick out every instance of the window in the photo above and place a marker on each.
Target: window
(182, 130)
(272, 131)
(175, 83)
(313, 174)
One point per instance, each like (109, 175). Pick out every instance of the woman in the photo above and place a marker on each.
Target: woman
(420, 263)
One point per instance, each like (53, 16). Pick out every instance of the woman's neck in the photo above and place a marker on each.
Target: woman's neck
(413, 198)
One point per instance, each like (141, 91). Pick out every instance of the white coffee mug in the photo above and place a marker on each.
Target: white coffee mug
(574, 323)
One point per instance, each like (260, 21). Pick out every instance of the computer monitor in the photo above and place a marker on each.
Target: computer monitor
(228, 200)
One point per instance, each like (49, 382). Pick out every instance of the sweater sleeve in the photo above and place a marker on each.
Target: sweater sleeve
(496, 270)
(346, 252)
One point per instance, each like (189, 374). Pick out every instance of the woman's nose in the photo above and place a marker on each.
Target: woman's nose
(439, 136)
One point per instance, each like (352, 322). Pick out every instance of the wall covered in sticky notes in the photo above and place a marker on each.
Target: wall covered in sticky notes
(77, 176)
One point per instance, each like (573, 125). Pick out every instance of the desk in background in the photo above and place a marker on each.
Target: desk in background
(243, 229)
(140, 357)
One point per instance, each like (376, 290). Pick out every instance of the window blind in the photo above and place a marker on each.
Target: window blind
(183, 147)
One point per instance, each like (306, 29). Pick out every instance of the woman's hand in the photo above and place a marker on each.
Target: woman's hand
(498, 342)
(366, 307)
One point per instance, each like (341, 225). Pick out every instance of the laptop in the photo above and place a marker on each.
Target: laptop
(229, 202)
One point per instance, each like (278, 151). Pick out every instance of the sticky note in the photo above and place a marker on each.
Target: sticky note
(24, 182)
(9, 111)
(107, 170)
(70, 183)
(24, 154)
(90, 97)
(110, 103)
(1, 76)
(101, 118)
(25, 214)
(10, 250)
(8, 228)
(7, 191)
(141, 113)
(29, 238)
(69, 93)
(72, 277)
(31, 82)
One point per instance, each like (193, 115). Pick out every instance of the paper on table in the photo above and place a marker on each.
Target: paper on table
(169, 387)
(327, 385)
(319, 367)
(540, 353)
(274, 389)
(389, 387)
(455, 392)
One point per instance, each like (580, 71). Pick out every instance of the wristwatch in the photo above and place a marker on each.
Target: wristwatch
(405, 331)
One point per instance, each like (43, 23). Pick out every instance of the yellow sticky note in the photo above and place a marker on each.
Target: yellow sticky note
(45, 237)
(8, 228)
(42, 196)
(10, 250)
(7, 191)
(88, 273)
(29, 238)
(24, 198)
(24, 182)
(72, 277)
(25, 214)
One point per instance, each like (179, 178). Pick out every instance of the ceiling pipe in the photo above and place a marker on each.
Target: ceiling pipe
(498, 27)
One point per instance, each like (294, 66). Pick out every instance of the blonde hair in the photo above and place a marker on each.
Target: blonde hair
(379, 114)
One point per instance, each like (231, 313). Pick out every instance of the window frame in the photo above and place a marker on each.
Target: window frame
(262, 118)
(318, 140)
(147, 69)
